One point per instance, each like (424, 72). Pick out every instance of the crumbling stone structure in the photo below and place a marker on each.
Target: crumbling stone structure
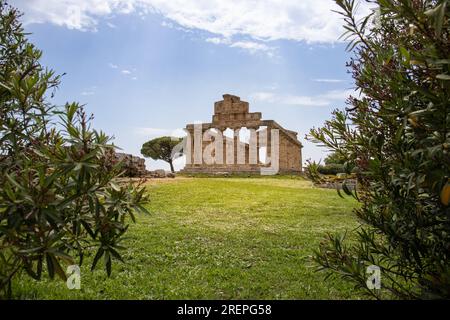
(240, 156)
(134, 166)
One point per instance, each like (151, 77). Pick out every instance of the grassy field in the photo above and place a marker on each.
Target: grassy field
(219, 238)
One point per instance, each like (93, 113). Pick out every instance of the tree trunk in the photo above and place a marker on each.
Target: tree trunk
(171, 166)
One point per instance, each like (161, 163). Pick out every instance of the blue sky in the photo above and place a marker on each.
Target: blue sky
(146, 68)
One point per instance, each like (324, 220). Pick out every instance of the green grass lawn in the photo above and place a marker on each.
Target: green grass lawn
(219, 238)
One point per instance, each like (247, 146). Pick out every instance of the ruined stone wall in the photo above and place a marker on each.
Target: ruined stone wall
(134, 166)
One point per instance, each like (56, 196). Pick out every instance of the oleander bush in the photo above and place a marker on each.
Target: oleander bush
(59, 196)
(396, 133)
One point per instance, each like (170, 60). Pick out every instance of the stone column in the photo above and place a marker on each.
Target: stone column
(257, 148)
(198, 144)
(269, 144)
(253, 149)
(230, 150)
(189, 148)
(240, 148)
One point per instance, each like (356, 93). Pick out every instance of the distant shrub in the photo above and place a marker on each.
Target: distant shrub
(332, 168)
(312, 172)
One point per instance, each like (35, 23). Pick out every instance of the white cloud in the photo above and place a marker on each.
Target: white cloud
(264, 96)
(320, 100)
(305, 20)
(339, 94)
(73, 14)
(167, 24)
(317, 101)
(218, 40)
(250, 46)
(253, 47)
(111, 25)
(123, 71)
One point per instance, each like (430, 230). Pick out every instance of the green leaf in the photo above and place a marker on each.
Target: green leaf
(9, 192)
(50, 179)
(50, 266)
(115, 254)
(439, 20)
(58, 269)
(443, 76)
(114, 186)
(98, 255)
(14, 182)
(107, 259)
(71, 109)
(405, 54)
(346, 189)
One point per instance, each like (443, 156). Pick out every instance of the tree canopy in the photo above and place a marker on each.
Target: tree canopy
(162, 148)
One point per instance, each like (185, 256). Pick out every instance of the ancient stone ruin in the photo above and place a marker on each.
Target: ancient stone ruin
(132, 165)
(235, 155)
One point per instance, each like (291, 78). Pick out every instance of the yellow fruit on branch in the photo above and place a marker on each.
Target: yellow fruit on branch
(445, 194)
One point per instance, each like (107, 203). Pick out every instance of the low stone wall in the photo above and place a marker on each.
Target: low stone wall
(160, 174)
(351, 184)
